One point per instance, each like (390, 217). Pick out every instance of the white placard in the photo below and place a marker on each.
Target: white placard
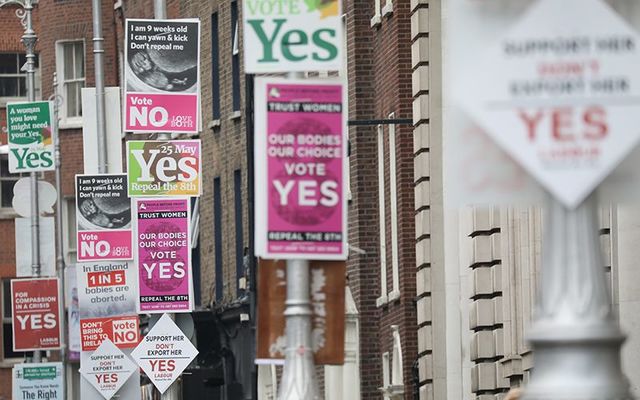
(291, 36)
(164, 353)
(107, 369)
(38, 381)
(558, 92)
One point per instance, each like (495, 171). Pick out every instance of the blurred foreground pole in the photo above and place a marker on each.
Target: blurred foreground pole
(298, 377)
(575, 336)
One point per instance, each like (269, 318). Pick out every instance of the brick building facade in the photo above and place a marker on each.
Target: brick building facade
(381, 214)
(64, 45)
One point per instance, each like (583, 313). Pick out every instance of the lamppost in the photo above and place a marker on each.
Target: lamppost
(29, 40)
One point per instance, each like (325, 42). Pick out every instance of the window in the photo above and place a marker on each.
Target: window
(382, 218)
(386, 376)
(69, 226)
(217, 237)
(7, 181)
(7, 330)
(395, 293)
(381, 11)
(385, 296)
(237, 192)
(71, 78)
(215, 68)
(13, 80)
(388, 8)
(376, 19)
(235, 58)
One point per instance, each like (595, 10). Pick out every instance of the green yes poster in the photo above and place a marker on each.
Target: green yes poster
(292, 35)
(30, 136)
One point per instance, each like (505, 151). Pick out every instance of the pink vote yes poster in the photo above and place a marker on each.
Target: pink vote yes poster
(300, 150)
(163, 247)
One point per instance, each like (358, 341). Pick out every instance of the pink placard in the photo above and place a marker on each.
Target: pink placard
(104, 245)
(305, 150)
(103, 218)
(164, 268)
(147, 112)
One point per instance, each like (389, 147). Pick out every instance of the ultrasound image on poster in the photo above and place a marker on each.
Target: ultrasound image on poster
(102, 202)
(162, 56)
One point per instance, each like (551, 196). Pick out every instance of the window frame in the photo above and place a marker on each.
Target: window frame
(235, 60)
(383, 299)
(376, 20)
(67, 122)
(215, 67)
(70, 242)
(19, 74)
(8, 212)
(393, 199)
(217, 239)
(239, 228)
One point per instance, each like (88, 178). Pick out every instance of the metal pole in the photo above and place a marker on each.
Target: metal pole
(59, 247)
(29, 39)
(575, 336)
(299, 374)
(160, 9)
(298, 377)
(160, 12)
(98, 53)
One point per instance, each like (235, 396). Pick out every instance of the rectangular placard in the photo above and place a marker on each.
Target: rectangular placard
(36, 314)
(162, 75)
(292, 36)
(30, 136)
(300, 169)
(164, 255)
(164, 168)
(103, 218)
(38, 381)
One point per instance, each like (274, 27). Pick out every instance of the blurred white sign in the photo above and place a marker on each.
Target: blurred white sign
(558, 92)
(21, 202)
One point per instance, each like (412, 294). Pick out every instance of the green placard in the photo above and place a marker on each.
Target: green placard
(30, 136)
(163, 168)
(32, 373)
